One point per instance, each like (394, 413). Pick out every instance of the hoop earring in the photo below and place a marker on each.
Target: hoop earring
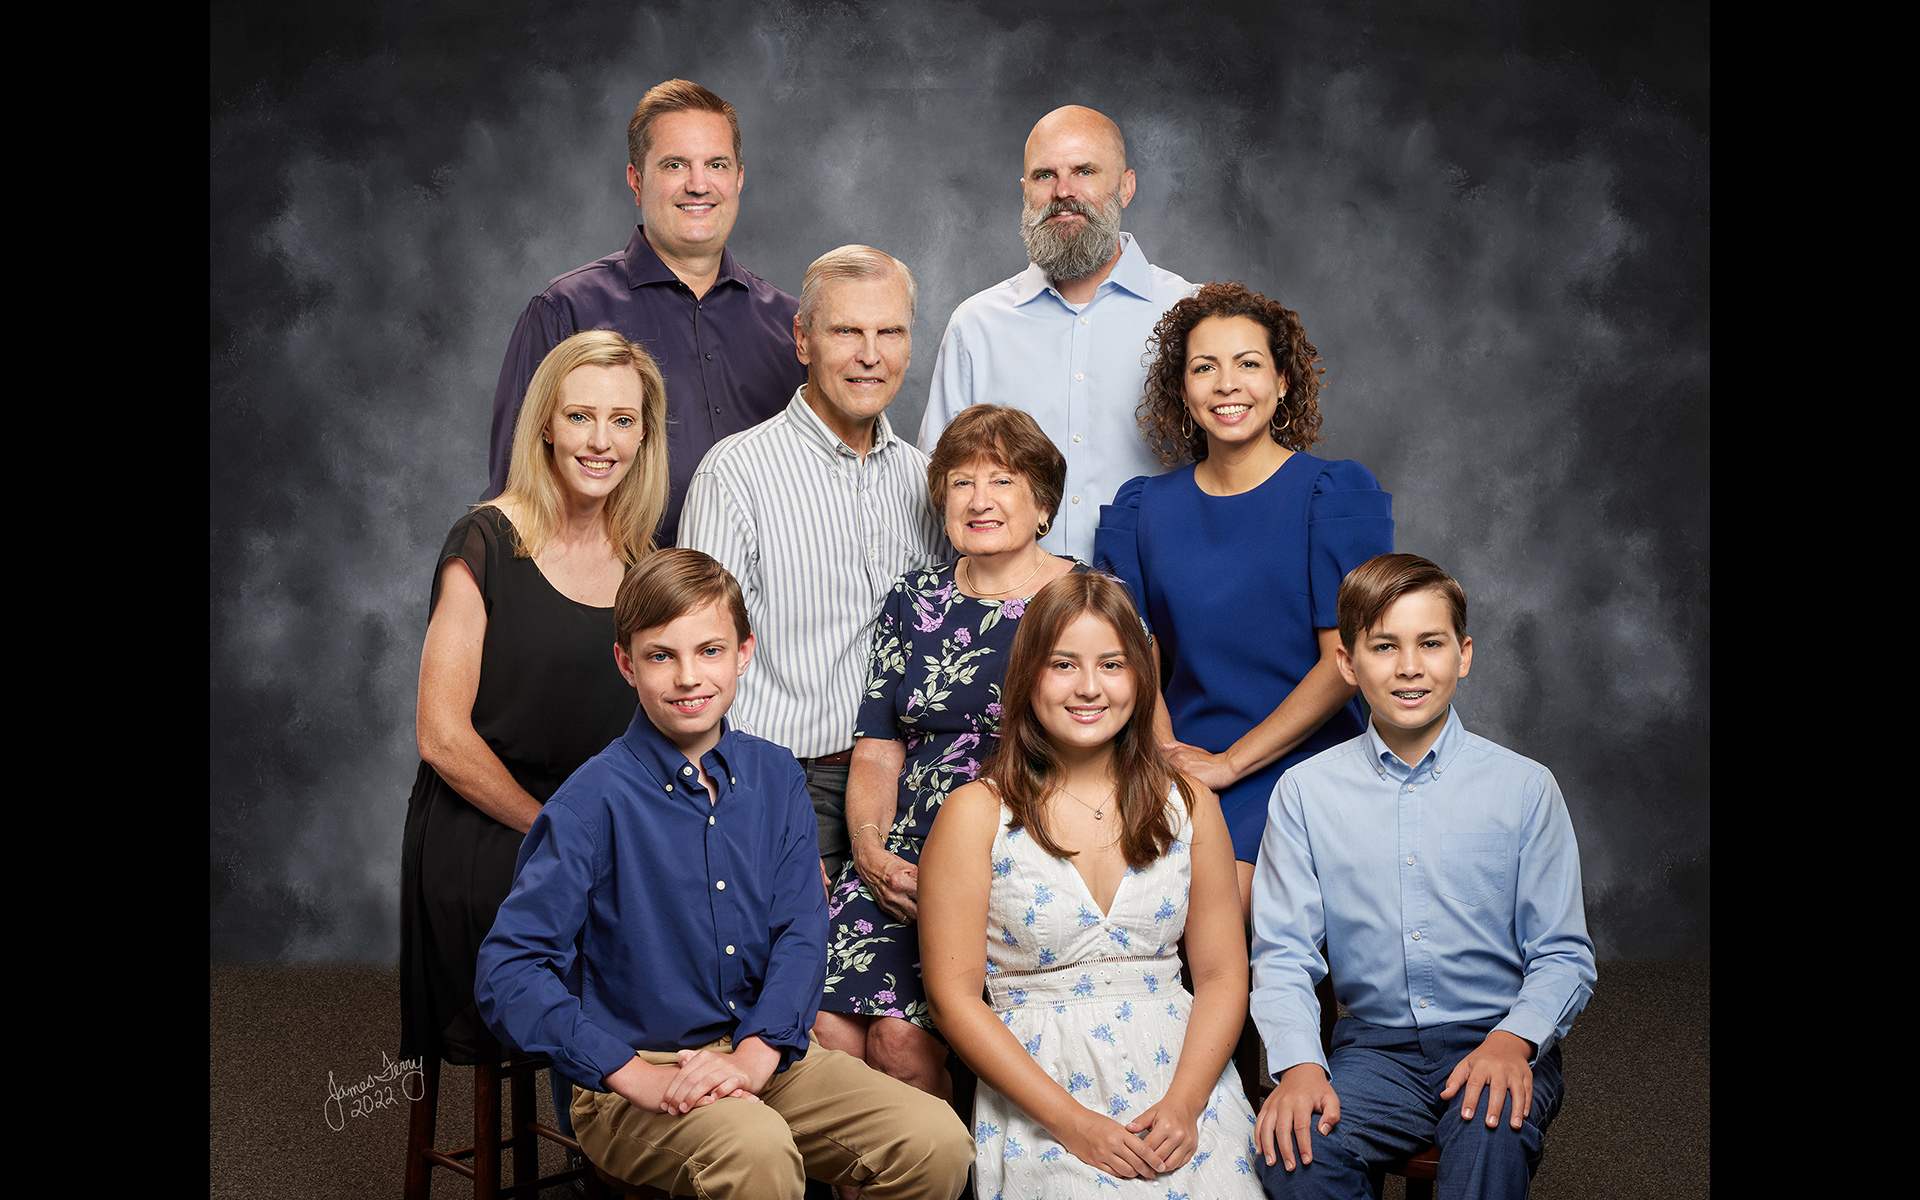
(1186, 423)
(1044, 526)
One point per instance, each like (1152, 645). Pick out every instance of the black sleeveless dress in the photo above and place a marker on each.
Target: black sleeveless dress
(550, 698)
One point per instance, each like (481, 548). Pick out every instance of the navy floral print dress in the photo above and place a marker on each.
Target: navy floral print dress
(939, 657)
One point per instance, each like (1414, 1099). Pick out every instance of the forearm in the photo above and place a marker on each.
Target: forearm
(1219, 1013)
(471, 768)
(873, 795)
(1305, 710)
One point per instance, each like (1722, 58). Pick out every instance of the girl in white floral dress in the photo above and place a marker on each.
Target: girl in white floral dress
(1086, 859)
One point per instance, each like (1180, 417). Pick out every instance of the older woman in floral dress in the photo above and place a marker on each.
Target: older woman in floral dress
(930, 717)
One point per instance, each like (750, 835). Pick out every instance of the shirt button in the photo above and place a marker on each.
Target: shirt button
(731, 779)
(1079, 377)
(687, 770)
(1076, 499)
(1416, 937)
(1423, 1004)
(1083, 320)
(730, 949)
(721, 885)
(710, 359)
(1409, 787)
(669, 787)
(709, 820)
(1409, 860)
(1076, 437)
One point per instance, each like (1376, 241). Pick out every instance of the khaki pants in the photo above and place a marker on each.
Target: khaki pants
(828, 1115)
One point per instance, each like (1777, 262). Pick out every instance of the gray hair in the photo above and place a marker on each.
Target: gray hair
(850, 262)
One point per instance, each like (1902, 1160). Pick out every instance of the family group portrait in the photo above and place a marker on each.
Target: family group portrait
(959, 599)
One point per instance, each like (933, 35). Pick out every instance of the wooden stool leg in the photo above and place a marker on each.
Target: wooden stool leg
(526, 1144)
(486, 1131)
(423, 1115)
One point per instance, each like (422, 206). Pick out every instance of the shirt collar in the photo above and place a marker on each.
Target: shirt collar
(669, 767)
(1439, 756)
(807, 423)
(644, 265)
(1133, 273)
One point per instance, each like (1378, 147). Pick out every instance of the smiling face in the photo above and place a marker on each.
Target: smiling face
(1074, 183)
(689, 191)
(686, 672)
(1407, 667)
(1233, 386)
(595, 433)
(857, 352)
(990, 509)
(1086, 690)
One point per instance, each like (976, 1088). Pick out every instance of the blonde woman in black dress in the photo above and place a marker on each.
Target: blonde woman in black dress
(517, 680)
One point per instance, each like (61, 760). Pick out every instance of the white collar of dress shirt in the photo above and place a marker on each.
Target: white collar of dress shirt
(811, 427)
(1133, 272)
(1452, 735)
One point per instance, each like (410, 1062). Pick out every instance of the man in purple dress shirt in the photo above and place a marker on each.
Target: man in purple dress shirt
(721, 335)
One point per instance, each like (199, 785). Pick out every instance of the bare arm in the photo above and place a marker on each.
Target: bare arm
(449, 681)
(957, 879)
(1305, 709)
(873, 792)
(1217, 957)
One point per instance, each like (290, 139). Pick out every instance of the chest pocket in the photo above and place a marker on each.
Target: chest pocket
(1474, 866)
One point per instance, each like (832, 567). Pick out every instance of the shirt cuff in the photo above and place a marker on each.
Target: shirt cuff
(593, 1055)
(791, 1042)
(1292, 1049)
(1530, 1027)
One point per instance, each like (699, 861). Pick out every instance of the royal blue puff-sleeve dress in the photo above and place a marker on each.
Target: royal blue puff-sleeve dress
(1234, 588)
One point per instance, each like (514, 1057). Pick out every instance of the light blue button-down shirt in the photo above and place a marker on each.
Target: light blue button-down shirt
(1448, 891)
(1077, 371)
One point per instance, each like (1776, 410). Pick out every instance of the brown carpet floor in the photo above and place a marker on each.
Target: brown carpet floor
(1636, 1121)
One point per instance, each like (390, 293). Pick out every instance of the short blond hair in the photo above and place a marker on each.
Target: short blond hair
(850, 262)
(634, 508)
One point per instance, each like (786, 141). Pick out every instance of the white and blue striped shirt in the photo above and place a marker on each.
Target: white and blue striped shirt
(816, 535)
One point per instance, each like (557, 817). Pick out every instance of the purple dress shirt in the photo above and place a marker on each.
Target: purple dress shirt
(727, 357)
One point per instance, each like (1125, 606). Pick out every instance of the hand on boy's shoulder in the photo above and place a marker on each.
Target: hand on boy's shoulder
(1286, 1119)
(1498, 1067)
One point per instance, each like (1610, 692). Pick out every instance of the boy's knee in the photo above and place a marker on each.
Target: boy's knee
(1336, 1171)
(931, 1150)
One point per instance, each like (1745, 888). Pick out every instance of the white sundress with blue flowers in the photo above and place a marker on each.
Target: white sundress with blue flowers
(1097, 1002)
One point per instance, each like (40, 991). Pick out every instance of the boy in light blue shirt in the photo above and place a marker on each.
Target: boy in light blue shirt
(1440, 874)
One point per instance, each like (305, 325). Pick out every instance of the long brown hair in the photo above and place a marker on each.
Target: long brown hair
(1025, 766)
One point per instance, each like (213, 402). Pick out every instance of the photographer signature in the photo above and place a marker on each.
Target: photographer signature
(375, 1092)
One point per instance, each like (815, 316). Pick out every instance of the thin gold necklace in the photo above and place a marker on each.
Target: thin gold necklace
(966, 568)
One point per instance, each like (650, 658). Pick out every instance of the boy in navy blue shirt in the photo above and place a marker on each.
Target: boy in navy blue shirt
(1440, 873)
(664, 942)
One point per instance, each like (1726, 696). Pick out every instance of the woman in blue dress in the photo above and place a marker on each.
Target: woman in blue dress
(930, 717)
(1236, 558)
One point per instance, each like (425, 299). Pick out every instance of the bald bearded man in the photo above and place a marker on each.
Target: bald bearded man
(1063, 339)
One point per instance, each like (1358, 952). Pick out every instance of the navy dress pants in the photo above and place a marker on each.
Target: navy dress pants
(1389, 1083)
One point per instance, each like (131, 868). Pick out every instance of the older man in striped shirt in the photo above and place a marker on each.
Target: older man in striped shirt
(816, 512)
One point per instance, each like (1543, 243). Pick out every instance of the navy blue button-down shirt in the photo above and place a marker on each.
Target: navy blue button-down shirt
(727, 357)
(643, 917)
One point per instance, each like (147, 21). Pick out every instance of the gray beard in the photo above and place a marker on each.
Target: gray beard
(1067, 255)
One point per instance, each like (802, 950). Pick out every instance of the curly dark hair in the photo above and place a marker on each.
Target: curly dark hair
(1163, 414)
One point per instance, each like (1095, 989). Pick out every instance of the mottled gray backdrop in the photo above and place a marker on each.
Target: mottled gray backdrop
(1493, 219)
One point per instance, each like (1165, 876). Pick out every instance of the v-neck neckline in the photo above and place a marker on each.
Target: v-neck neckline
(1106, 914)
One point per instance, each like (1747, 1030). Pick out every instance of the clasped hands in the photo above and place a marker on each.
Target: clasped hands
(697, 1078)
(1498, 1067)
(1159, 1140)
(893, 881)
